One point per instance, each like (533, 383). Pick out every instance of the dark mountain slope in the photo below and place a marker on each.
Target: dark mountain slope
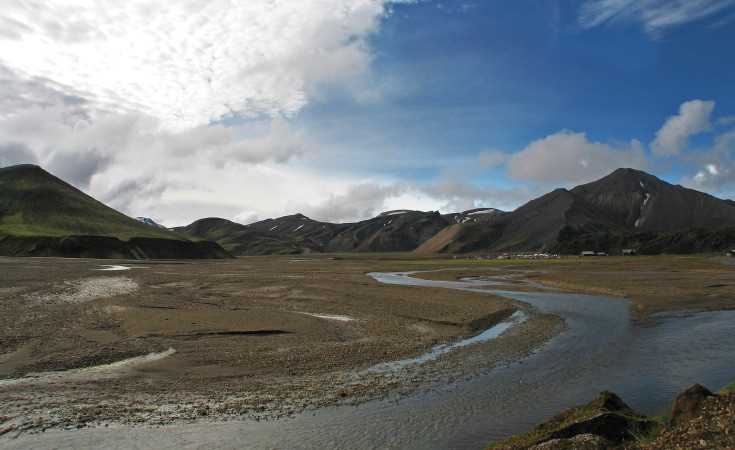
(392, 231)
(42, 215)
(626, 209)
(534, 226)
(641, 201)
(254, 239)
(314, 235)
(389, 232)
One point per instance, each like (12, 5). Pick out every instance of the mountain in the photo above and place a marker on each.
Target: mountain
(294, 234)
(245, 240)
(310, 235)
(41, 215)
(151, 222)
(640, 201)
(626, 209)
(389, 232)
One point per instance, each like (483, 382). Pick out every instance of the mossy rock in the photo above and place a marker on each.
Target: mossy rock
(607, 417)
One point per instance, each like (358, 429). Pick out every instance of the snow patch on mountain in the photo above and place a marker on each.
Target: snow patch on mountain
(151, 222)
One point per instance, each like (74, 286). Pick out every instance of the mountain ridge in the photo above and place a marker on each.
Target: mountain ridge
(626, 208)
(45, 216)
(42, 215)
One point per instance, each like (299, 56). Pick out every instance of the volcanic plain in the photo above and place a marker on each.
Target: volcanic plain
(96, 342)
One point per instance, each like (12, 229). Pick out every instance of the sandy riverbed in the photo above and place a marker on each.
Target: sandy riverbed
(268, 340)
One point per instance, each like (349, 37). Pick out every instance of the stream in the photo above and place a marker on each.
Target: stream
(646, 362)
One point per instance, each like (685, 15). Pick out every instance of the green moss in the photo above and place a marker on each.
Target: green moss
(729, 388)
(35, 203)
(606, 402)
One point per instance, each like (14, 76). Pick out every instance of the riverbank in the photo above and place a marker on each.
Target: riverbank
(653, 284)
(698, 418)
(647, 361)
(256, 338)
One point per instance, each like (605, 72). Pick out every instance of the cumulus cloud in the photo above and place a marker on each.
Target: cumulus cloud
(77, 147)
(359, 201)
(567, 157)
(129, 100)
(456, 196)
(369, 198)
(693, 118)
(716, 170)
(12, 153)
(19, 94)
(655, 15)
(188, 62)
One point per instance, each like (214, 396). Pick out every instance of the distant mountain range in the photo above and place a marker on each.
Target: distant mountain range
(391, 231)
(626, 209)
(42, 215)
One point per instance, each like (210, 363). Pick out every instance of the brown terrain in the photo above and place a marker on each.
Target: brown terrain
(257, 337)
(652, 283)
(260, 337)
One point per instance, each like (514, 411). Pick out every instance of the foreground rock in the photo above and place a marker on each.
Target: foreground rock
(699, 419)
(602, 423)
(689, 403)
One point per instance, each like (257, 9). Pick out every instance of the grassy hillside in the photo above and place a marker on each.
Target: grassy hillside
(35, 203)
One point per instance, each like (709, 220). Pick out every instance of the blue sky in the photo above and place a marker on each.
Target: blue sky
(341, 109)
(472, 76)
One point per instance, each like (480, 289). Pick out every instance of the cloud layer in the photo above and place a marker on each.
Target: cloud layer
(188, 62)
(181, 110)
(567, 157)
(693, 118)
(655, 15)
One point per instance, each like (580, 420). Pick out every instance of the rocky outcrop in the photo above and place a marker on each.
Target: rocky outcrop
(689, 403)
(699, 419)
(603, 423)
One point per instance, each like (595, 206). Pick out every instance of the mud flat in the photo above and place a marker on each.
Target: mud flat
(267, 341)
(465, 399)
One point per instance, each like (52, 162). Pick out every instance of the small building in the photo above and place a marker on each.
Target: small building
(630, 252)
(589, 253)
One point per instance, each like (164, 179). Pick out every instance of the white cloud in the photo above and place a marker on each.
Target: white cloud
(12, 153)
(716, 166)
(655, 15)
(693, 118)
(122, 99)
(359, 201)
(571, 157)
(368, 198)
(188, 62)
(77, 147)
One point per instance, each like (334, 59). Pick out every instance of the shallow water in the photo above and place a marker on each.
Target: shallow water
(647, 363)
(91, 373)
(437, 351)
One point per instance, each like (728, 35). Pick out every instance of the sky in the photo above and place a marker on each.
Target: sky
(342, 109)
